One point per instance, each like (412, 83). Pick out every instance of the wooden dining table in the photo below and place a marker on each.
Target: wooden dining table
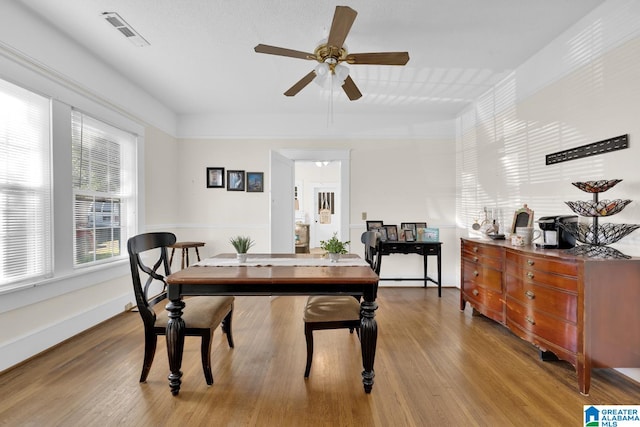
(273, 274)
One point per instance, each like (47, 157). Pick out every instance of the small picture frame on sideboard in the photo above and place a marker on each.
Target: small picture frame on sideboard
(374, 225)
(409, 235)
(392, 232)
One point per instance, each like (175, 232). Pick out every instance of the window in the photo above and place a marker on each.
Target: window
(103, 157)
(25, 186)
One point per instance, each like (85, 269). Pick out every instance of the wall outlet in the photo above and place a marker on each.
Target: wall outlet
(128, 306)
(364, 216)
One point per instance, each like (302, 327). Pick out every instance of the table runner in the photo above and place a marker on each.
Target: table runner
(258, 261)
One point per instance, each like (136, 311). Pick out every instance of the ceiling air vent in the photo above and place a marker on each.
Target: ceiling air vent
(121, 25)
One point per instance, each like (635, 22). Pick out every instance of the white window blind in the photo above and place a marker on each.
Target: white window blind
(25, 186)
(103, 182)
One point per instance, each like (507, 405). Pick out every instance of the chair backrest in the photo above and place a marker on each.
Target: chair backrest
(154, 281)
(372, 253)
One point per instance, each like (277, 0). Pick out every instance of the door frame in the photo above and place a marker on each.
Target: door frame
(319, 154)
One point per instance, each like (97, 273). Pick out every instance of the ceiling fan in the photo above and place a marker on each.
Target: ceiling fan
(332, 53)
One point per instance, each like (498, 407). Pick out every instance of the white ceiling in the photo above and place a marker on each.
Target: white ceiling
(201, 58)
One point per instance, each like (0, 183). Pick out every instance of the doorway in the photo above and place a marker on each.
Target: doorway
(283, 194)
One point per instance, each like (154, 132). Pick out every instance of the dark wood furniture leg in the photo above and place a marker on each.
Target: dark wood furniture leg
(425, 262)
(171, 257)
(368, 340)
(175, 343)
(439, 272)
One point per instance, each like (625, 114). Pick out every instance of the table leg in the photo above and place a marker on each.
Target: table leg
(175, 343)
(368, 340)
(439, 273)
(425, 262)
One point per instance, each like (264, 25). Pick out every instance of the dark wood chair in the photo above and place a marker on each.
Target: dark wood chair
(342, 311)
(201, 315)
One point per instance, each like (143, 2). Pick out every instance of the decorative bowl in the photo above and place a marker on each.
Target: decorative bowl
(596, 186)
(592, 251)
(606, 233)
(600, 208)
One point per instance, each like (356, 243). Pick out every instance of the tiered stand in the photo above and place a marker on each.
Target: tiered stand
(596, 237)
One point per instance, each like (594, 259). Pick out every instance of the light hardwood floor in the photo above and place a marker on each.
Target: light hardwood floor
(435, 366)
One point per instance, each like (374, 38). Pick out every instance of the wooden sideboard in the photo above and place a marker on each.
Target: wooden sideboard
(583, 310)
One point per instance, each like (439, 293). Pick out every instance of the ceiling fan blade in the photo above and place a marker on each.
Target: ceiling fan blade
(351, 89)
(378, 58)
(301, 84)
(342, 21)
(273, 50)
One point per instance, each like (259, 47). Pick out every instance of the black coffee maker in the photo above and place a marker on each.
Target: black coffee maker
(554, 236)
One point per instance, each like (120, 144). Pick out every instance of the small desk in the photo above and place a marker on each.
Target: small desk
(185, 251)
(425, 249)
(358, 280)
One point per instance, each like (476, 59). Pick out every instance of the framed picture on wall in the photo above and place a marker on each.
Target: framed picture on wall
(255, 182)
(215, 177)
(235, 180)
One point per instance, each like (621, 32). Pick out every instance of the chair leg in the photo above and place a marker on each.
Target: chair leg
(308, 333)
(226, 327)
(150, 341)
(205, 352)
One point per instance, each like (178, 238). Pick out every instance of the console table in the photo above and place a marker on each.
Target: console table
(425, 249)
(582, 310)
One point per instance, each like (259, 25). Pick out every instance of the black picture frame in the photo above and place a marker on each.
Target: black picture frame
(255, 182)
(374, 225)
(235, 180)
(409, 235)
(392, 232)
(215, 177)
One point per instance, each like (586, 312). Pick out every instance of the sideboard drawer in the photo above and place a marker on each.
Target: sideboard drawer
(546, 328)
(564, 267)
(563, 305)
(481, 249)
(481, 275)
(486, 301)
(532, 276)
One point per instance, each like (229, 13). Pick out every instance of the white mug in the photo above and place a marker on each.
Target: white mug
(528, 234)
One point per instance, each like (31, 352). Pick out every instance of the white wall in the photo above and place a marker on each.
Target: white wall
(582, 88)
(393, 180)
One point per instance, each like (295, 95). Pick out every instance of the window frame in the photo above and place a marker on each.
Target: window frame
(67, 278)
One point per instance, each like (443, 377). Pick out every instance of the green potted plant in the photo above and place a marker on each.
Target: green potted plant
(334, 247)
(242, 244)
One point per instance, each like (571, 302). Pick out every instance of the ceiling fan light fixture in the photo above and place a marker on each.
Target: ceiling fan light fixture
(322, 73)
(341, 73)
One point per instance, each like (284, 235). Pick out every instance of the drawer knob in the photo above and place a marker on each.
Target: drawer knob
(530, 320)
(475, 259)
(475, 249)
(530, 294)
(475, 292)
(475, 273)
(530, 262)
(530, 275)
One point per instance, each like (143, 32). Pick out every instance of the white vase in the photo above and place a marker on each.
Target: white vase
(334, 257)
(242, 258)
